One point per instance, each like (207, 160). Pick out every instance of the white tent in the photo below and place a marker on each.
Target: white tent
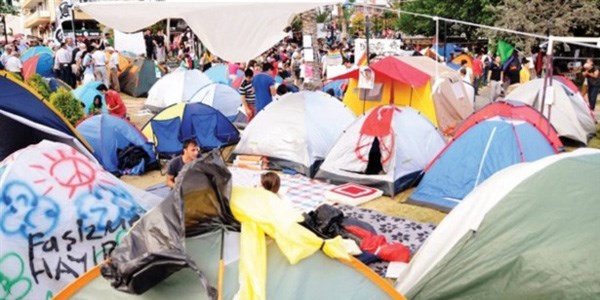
(220, 96)
(297, 131)
(60, 215)
(407, 143)
(175, 87)
(565, 109)
(235, 30)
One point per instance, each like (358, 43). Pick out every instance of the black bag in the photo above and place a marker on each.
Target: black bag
(131, 157)
(325, 221)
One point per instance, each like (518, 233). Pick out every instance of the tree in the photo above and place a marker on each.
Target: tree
(38, 84)
(7, 8)
(557, 17)
(309, 28)
(468, 10)
(67, 105)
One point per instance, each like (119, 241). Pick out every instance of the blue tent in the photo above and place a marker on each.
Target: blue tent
(41, 64)
(55, 83)
(86, 93)
(484, 149)
(336, 86)
(25, 119)
(110, 135)
(182, 121)
(449, 49)
(37, 50)
(218, 74)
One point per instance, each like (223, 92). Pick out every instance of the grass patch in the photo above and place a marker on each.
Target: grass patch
(595, 141)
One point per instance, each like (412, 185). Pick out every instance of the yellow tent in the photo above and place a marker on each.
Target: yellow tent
(395, 83)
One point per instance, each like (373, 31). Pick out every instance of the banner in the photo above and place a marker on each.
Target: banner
(64, 13)
(383, 47)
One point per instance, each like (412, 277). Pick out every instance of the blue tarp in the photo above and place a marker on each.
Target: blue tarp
(483, 150)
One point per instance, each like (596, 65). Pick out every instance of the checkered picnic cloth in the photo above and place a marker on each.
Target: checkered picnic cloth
(303, 193)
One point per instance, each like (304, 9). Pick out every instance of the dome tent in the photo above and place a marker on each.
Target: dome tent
(113, 140)
(60, 215)
(404, 142)
(497, 136)
(175, 87)
(566, 111)
(297, 131)
(33, 120)
(169, 128)
(529, 232)
(220, 96)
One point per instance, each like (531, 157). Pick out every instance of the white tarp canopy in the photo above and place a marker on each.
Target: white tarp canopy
(235, 30)
(131, 42)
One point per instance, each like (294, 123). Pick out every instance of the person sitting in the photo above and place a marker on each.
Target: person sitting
(114, 103)
(270, 181)
(190, 153)
(96, 107)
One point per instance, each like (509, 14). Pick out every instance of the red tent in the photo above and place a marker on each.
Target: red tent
(394, 69)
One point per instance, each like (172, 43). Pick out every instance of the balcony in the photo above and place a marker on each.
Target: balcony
(36, 18)
(26, 4)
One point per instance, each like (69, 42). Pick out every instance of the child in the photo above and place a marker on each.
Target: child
(96, 107)
(270, 181)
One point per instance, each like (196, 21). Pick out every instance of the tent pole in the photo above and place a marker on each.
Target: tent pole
(437, 45)
(221, 267)
(168, 39)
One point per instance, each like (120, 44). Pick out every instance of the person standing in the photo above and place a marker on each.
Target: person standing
(477, 72)
(13, 64)
(190, 153)
(63, 59)
(592, 74)
(114, 103)
(495, 79)
(247, 94)
(100, 71)
(159, 44)
(87, 66)
(114, 69)
(149, 42)
(264, 87)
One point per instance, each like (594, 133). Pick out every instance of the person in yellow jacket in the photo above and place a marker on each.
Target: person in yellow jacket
(524, 74)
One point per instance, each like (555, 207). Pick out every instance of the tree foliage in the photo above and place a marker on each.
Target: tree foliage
(67, 105)
(38, 83)
(557, 17)
(8, 8)
(475, 11)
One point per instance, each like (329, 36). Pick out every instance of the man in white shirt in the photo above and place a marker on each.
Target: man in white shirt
(6, 55)
(114, 69)
(13, 63)
(63, 58)
(100, 66)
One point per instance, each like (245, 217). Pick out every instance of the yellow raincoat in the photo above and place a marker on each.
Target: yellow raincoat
(261, 212)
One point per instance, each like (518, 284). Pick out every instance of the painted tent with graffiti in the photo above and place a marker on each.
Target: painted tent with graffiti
(60, 215)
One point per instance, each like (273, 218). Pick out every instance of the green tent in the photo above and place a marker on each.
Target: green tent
(137, 79)
(539, 240)
(174, 251)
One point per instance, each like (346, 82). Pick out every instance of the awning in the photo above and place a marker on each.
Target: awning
(237, 30)
(395, 69)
